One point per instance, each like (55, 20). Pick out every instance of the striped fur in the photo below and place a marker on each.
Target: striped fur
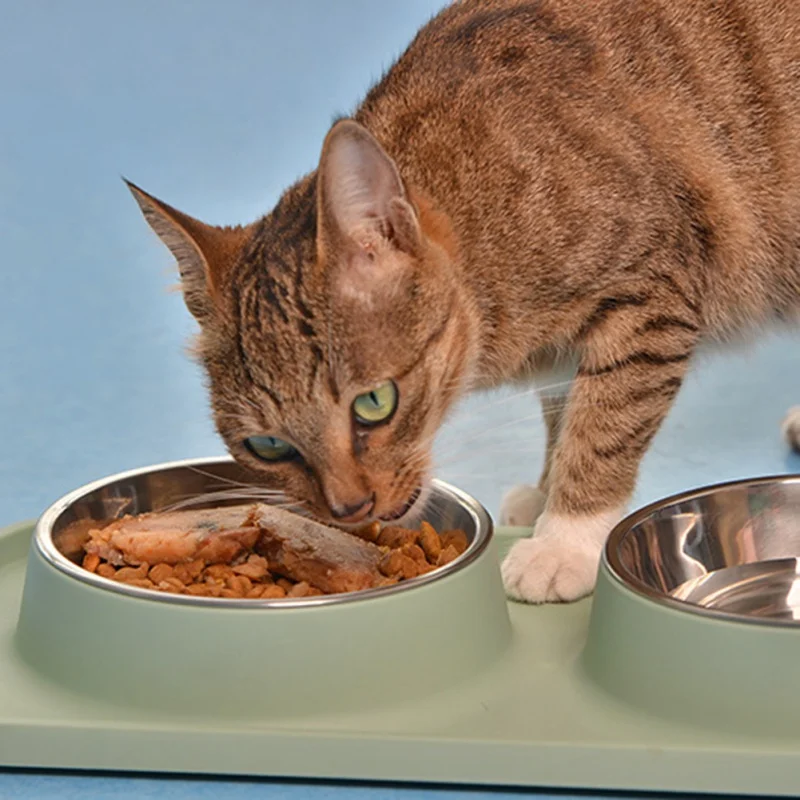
(606, 181)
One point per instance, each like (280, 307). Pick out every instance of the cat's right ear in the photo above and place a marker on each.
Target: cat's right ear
(204, 253)
(365, 216)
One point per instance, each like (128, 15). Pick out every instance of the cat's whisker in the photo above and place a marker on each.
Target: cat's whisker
(221, 478)
(494, 428)
(265, 490)
(440, 504)
(542, 414)
(553, 401)
(499, 399)
(249, 495)
(237, 484)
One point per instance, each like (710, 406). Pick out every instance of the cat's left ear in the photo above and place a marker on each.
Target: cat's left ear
(204, 253)
(362, 202)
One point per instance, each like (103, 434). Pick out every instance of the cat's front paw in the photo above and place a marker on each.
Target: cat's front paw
(522, 505)
(559, 563)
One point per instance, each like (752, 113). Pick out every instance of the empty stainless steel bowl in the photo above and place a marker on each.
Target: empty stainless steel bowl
(696, 615)
(732, 551)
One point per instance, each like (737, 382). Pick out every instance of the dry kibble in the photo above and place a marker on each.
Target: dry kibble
(219, 571)
(239, 583)
(126, 574)
(302, 589)
(285, 584)
(106, 570)
(391, 563)
(370, 532)
(254, 568)
(457, 539)
(430, 542)
(447, 555)
(195, 568)
(197, 589)
(181, 573)
(416, 553)
(142, 583)
(411, 568)
(397, 564)
(250, 571)
(273, 592)
(172, 584)
(392, 536)
(91, 561)
(160, 572)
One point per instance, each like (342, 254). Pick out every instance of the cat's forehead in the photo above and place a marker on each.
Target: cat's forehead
(296, 348)
(299, 339)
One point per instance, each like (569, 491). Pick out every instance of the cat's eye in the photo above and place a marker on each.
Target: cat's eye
(376, 406)
(269, 448)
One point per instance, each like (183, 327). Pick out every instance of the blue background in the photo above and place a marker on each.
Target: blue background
(214, 107)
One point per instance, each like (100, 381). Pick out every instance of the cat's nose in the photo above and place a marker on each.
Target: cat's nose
(354, 512)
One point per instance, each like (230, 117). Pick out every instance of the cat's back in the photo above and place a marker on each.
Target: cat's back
(718, 59)
(536, 125)
(483, 38)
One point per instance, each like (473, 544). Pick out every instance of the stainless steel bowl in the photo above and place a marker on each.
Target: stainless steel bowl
(262, 659)
(158, 488)
(695, 614)
(730, 551)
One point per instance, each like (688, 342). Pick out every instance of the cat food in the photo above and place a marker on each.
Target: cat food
(256, 552)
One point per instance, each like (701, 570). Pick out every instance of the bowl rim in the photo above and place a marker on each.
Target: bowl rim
(45, 546)
(622, 576)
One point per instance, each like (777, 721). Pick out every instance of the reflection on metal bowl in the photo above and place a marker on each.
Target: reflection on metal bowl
(730, 551)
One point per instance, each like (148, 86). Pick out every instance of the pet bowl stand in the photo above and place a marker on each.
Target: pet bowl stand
(535, 717)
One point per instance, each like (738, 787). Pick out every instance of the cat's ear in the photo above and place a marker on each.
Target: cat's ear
(362, 203)
(204, 253)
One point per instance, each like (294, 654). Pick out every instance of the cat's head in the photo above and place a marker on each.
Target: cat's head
(335, 331)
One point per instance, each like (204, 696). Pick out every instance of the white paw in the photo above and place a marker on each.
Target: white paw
(791, 427)
(559, 563)
(522, 505)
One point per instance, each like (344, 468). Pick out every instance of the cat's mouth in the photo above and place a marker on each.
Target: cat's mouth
(404, 509)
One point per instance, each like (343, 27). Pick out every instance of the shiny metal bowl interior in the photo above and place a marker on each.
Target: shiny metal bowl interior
(165, 485)
(730, 551)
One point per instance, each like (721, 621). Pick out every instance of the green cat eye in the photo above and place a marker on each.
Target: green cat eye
(376, 406)
(269, 448)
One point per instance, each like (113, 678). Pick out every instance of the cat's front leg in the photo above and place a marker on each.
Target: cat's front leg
(631, 370)
(523, 504)
(791, 427)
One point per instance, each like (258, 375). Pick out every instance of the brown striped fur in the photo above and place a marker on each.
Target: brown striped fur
(603, 180)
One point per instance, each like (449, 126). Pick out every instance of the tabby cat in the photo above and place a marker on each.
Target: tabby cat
(596, 186)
